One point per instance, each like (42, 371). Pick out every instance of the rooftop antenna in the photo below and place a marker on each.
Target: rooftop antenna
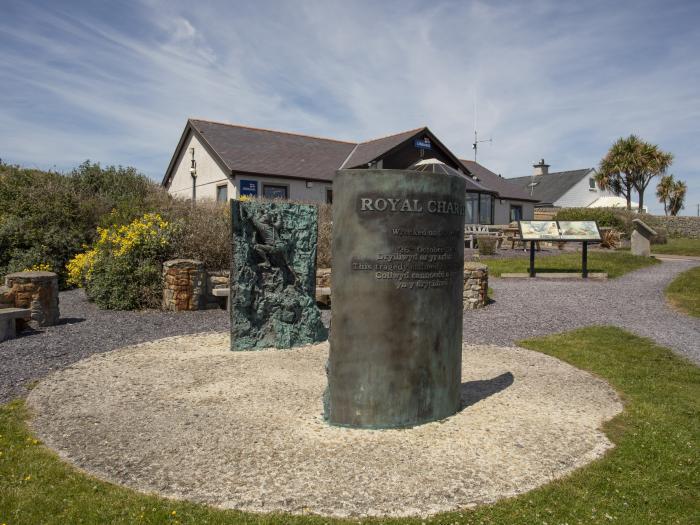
(475, 144)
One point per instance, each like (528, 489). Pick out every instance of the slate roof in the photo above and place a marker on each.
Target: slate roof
(252, 150)
(504, 187)
(245, 149)
(551, 187)
(370, 150)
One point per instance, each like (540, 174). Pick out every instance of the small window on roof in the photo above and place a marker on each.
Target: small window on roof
(591, 183)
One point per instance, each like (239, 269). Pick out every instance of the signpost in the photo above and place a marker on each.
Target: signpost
(560, 231)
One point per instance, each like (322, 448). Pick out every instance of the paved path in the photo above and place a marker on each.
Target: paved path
(526, 308)
(523, 308)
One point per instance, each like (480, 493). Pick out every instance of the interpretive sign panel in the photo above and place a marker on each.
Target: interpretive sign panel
(579, 231)
(398, 258)
(538, 230)
(559, 231)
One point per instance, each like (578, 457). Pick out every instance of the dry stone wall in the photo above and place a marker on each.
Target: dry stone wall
(476, 285)
(37, 291)
(184, 285)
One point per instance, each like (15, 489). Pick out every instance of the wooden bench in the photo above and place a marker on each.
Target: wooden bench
(323, 295)
(222, 292)
(8, 321)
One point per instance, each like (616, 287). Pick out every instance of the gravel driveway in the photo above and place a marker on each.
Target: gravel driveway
(521, 309)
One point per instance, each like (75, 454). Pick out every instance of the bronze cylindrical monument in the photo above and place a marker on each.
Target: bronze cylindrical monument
(396, 338)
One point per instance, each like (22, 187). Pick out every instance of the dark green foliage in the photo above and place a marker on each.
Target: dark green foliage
(616, 218)
(119, 283)
(47, 217)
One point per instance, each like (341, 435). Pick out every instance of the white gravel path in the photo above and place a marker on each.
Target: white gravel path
(187, 418)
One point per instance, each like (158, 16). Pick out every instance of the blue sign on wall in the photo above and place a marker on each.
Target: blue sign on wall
(249, 187)
(423, 143)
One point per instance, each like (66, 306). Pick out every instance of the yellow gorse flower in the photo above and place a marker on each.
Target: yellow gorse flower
(118, 241)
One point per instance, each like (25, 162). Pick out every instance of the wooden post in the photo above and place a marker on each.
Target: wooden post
(584, 260)
(532, 258)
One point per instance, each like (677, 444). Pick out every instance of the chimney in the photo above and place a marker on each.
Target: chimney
(540, 168)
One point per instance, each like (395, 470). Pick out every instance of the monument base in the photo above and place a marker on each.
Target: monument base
(244, 430)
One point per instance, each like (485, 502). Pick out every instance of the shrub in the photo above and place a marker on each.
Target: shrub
(122, 269)
(325, 236)
(204, 232)
(486, 245)
(616, 218)
(47, 217)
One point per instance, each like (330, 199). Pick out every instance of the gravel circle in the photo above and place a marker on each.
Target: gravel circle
(186, 418)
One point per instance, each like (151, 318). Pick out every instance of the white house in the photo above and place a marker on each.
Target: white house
(213, 160)
(563, 189)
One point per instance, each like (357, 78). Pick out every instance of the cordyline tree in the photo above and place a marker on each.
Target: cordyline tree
(631, 164)
(672, 194)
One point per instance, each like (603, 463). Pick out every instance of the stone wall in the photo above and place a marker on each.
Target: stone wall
(476, 285)
(683, 226)
(323, 278)
(37, 291)
(184, 285)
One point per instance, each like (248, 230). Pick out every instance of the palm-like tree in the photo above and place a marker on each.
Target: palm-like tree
(631, 164)
(677, 197)
(663, 190)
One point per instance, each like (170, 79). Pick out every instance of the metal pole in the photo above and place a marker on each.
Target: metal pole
(532, 258)
(584, 260)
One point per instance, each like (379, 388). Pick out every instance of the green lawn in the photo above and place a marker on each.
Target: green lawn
(678, 247)
(613, 263)
(684, 292)
(650, 477)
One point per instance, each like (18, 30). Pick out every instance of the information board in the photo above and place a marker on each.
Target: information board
(559, 231)
(579, 231)
(539, 230)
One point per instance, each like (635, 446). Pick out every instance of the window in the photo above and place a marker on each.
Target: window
(273, 191)
(222, 193)
(516, 213)
(329, 196)
(485, 208)
(591, 183)
(471, 210)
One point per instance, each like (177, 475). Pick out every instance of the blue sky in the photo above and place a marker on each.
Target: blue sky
(115, 81)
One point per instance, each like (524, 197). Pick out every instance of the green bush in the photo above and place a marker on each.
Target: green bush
(47, 217)
(616, 218)
(122, 269)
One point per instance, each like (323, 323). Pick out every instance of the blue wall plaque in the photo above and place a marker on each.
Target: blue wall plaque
(249, 187)
(423, 143)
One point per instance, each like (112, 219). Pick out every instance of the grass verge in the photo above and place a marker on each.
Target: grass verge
(678, 246)
(684, 292)
(613, 263)
(650, 477)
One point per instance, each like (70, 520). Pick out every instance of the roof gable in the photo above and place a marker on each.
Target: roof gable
(551, 187)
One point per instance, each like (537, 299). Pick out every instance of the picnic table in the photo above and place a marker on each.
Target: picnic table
(472, 232)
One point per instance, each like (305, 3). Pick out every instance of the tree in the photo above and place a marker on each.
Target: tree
(631, 164)
(677, 197)
(663, 191)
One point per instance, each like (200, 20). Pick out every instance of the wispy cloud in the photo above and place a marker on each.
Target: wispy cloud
(549, 79)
